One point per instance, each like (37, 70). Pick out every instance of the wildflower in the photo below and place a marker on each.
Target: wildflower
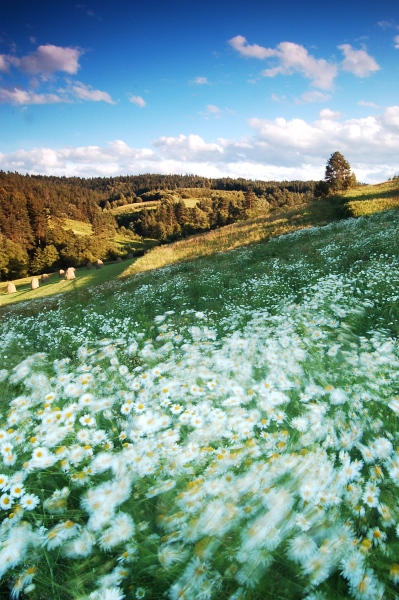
(61, 532)
(5, 501)
(87, 420)
(394, 573)
(81, 545)
(4, 482)
(29, 501)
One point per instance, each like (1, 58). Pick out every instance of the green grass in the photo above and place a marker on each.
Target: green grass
(267, 361)
(239, 234)
(363, 201)
(78, 227)
(84, 279)
(136, 206)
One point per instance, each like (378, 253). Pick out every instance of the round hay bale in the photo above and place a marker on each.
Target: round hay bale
(61, 273)
(70, 274)
(99, 264)
(89, 266)
(118, 260)
(34, 284)
(45, 278)
(11, 288)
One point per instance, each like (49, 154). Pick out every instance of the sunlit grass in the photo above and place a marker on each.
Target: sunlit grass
(239, 234)
(78, 227)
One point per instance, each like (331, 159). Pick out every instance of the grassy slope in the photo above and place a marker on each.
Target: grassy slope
(238, 234)
(363, 200)
(255, 293)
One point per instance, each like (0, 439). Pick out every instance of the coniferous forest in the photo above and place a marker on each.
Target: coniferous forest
(35, 209)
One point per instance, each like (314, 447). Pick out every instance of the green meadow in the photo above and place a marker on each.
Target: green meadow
(215, 419)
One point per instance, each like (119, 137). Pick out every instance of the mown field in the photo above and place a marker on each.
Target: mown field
(224, 427)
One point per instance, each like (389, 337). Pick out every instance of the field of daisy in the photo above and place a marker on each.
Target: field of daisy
(220, 428)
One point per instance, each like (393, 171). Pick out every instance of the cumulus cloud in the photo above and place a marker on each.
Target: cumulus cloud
(200, 81)
(391, 116)
(138, 100)
(294, 58)
(240, 44)
(187, 148)
(358, 62)
(48, 59)
(396, 41)
(84, 92)
(273, 149)
(19, 96)
(291, 58)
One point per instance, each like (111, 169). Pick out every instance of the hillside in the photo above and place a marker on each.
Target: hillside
(223, 426)
(42, 219)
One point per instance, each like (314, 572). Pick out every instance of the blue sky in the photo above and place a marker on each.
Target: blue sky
(255, 89)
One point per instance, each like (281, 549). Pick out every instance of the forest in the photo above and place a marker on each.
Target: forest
(35, 209)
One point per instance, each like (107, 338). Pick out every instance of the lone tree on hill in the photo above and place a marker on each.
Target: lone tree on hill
(338, 173)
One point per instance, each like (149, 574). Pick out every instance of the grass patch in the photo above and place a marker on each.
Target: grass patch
(238, 234)
(84, 279)
(78, 227)
(365, 208)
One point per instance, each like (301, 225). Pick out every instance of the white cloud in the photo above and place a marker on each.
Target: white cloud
(396, 40)
(358, 62)
(240, 44)
(292, 58)
(187, 148)
(48, 59)
(138, 100)
(85, 92)
(312, 96)
(295, 58)
(368, 104)
(4, 63)
(214, 111)
(19, 96)
(273, 149)
(386, 24)
(200, 81)
(391, 116)
(329, 114)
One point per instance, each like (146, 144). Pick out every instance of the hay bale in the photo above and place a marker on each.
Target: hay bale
(70, 274)
(99, 264)
(11, 288)
(45, 278)
(34, 284)
(89, 266)
(118, 260)
(61, 273)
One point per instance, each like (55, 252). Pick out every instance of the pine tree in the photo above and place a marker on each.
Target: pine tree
(338, 173)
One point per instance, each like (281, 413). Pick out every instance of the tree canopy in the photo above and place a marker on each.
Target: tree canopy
(338, 173)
